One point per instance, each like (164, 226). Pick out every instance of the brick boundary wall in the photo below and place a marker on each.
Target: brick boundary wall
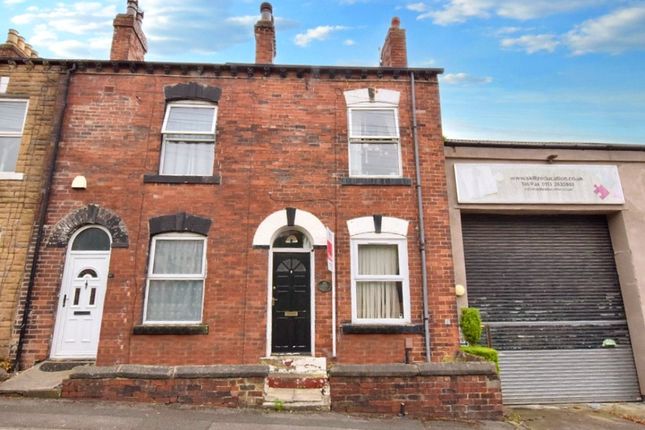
(437, 391)
(225, 386)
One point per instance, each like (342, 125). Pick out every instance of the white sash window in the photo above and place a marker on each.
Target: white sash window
(12, 122)
(176, 273)
(188, 139)
(379, 269)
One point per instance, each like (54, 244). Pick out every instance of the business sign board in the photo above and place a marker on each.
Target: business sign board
(538, 184)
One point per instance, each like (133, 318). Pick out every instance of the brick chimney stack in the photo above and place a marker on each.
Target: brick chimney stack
(128, 41)
(265, 36)
(16, 47)
(395, 52)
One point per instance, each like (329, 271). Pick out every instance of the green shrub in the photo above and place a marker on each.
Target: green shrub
(482, 351)
(471, 325)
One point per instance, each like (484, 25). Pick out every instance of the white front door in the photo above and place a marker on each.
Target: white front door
(80, 306)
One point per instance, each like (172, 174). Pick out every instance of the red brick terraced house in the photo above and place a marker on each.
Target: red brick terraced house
(185, 247)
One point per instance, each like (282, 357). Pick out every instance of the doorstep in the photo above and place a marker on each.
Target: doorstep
(296, 383)
(44, 380)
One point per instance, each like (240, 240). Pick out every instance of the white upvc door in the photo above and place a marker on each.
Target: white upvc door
(80, 305)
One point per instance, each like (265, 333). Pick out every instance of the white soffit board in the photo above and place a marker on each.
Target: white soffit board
(538, 184)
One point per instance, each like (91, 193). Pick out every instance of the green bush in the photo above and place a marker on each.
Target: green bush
(471, 325)
(482, 351)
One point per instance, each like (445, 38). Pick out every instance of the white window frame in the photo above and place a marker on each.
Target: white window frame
(352, 139)
(167, 276)
(200, 136)
(403, 276)
(14, 175)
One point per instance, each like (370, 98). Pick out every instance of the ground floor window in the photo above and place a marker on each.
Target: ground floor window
(380, 284)
(176, 273)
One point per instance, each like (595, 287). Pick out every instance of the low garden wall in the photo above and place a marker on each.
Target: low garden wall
(227, 386)
(434, 390)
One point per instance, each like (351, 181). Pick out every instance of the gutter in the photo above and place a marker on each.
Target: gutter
(42, 213)
(422, 231)
(456, 143)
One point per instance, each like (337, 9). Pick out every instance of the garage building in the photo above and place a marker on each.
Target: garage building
(548, 240)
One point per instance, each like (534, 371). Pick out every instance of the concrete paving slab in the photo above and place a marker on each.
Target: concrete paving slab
(569, 417)
(34, 382)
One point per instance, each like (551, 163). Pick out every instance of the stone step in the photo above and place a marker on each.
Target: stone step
(296, 380)
(297, 398)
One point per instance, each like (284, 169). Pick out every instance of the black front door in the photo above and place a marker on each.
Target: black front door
(291, 303)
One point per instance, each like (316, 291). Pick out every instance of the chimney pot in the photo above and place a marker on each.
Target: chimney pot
(396, 22)
(133, 7)
(266, 11)
(16, 46)
(12, 37)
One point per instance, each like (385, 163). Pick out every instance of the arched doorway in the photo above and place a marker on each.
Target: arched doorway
(80, 305)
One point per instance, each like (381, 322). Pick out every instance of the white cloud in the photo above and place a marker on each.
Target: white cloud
(457, 11)
(78, 29)
(173, 27)
(416, 7)
(349, 42)
(532, 43)
(508, 30)
(616, 32)
(321, 32)
(464, 79)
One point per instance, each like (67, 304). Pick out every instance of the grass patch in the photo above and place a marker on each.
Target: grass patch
(482, 351)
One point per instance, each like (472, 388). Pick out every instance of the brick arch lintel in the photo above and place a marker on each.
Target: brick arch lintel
(90, 214)
(179, 222)
(192, 91)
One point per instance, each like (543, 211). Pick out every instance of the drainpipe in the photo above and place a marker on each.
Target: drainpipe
(422, 231)
(42, 212)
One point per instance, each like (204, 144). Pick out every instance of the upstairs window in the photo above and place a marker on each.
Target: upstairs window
(12, 123)
(188, 147)
(176, 273)
(373, 132)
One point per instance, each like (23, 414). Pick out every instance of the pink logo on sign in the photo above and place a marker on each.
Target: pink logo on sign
(601, 191)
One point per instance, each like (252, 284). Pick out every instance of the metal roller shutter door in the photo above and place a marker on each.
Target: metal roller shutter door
(547, 287)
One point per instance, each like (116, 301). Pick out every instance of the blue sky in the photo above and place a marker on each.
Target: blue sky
(563, 70)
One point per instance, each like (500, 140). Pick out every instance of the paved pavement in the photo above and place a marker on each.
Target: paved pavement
(35, 382)
(24, 413)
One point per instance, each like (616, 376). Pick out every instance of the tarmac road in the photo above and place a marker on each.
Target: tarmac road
(24, 413)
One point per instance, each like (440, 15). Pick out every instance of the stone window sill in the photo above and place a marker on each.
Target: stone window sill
(179, 179)
(150, 329)
(11, 176)
(376, 181)
(381, 329)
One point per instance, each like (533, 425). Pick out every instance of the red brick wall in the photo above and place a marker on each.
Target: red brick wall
(226, 392)
(264, 43)
(281, 142)
(472, 397)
